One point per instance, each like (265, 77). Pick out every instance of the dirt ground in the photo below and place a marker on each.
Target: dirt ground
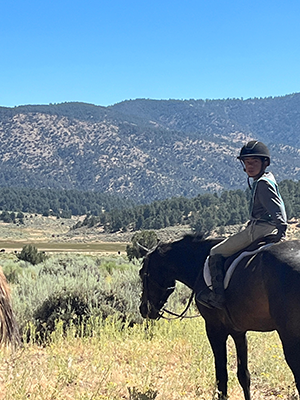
(50, 232)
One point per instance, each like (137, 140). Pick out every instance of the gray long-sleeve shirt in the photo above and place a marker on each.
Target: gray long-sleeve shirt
(266, 203)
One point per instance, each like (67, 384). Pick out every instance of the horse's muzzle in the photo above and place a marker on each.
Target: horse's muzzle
(147, 311)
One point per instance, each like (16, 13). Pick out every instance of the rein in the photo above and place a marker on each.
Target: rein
(165, 310)
(182, 315)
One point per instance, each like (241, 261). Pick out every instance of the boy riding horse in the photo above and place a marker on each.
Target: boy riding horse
(267, 217)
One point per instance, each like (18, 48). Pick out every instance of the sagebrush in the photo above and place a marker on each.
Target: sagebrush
(75, 288)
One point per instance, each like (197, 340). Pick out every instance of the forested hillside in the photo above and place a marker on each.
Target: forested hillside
(60, 203)
(143, 149)
(202, 213)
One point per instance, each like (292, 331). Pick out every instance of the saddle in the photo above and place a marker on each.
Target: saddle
(231, 262)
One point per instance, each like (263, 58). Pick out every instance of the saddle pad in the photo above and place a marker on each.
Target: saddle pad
(231, 268)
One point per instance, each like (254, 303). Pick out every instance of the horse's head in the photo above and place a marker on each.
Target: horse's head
(158, 283)
(178, 260)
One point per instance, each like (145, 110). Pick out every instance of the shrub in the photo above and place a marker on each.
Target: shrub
(146, 239)
(12, 271)
(31, 254)
(68, 306)
(75, 288)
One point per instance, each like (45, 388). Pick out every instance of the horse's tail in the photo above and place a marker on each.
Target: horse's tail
(9, 331)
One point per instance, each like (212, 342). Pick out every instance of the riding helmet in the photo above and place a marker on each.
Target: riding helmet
(255, 149)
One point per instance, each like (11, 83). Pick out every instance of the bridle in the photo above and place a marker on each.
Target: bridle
(146, 278)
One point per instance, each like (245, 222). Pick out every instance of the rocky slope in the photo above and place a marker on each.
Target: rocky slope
(146, 149)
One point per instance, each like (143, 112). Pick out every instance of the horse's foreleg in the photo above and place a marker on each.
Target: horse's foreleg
(217, 338)
(243, 374)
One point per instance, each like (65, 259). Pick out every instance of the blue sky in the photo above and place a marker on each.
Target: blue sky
(106, 51)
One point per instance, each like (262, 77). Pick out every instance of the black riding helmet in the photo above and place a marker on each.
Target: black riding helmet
(255, 149)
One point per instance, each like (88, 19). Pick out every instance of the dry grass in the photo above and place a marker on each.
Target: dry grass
(55, 232)
(164, 361)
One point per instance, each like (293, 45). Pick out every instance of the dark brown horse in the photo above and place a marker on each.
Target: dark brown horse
(9, 332)
(263, 295)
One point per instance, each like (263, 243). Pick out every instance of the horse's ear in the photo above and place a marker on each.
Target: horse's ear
(142, 249)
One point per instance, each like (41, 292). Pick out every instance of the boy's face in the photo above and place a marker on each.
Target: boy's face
(253, 166)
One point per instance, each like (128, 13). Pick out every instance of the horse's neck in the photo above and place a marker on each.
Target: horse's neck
(193, 280)
(190, 267)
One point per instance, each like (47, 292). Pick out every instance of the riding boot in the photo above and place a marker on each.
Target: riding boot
(214, 298)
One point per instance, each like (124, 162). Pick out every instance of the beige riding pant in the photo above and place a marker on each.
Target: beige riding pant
(243, 239)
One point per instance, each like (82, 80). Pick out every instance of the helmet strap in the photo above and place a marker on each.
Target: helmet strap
(243, 165)
(249, 184)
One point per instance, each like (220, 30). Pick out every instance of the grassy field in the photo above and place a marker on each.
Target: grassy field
(163, 361)
(54, 235)
(61, 247)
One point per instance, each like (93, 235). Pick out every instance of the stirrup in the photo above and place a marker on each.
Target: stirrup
(209, 299)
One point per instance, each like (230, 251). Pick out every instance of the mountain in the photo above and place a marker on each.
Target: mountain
(146, 149)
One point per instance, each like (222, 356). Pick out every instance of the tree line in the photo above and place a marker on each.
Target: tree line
(202, 213)
(58, 202)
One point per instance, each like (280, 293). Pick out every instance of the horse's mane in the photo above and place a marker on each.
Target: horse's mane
(195, 236)
(186, 240)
